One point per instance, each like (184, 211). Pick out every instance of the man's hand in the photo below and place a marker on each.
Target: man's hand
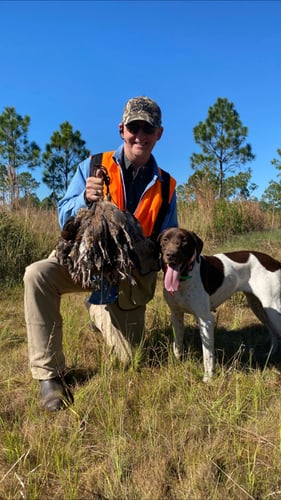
(94, 187)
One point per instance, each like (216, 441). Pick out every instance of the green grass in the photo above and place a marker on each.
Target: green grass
(151, 432)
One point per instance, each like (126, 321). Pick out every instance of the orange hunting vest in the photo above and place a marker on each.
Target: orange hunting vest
(151, 201)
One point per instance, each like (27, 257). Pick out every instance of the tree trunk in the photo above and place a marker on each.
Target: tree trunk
(13, 185)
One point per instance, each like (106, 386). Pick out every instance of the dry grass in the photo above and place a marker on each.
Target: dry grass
(154, 431)
(149, 433)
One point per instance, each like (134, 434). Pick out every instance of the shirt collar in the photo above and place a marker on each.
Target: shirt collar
(127, 163)
(118, 156)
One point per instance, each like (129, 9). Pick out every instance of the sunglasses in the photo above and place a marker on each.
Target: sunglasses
(134, 127)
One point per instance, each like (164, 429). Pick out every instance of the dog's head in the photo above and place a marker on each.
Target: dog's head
(179, 248)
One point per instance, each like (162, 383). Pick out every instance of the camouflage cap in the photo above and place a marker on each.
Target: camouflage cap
(142, 108)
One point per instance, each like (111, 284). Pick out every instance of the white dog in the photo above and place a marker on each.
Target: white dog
(197, 284)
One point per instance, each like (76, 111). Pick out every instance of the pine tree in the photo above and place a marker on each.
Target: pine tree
(16, 152)
(61, 158)
(222, 138)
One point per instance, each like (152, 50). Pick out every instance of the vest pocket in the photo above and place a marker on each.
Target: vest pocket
(132, 296)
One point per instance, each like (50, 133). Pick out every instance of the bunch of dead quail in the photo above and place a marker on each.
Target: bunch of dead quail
(99, 243)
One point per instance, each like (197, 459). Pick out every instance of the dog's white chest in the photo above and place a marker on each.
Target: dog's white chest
(190, 297)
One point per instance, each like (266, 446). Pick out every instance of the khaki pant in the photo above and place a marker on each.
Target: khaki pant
(45, 281)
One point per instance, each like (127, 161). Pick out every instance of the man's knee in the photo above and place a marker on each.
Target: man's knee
(121, 330)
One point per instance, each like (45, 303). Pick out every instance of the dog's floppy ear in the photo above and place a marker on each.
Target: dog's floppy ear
(160, 236)
(198, 243)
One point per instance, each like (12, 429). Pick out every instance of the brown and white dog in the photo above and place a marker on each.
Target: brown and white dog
(197, 284)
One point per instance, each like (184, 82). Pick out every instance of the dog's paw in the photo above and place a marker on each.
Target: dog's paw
(178, 351)
(207, 377)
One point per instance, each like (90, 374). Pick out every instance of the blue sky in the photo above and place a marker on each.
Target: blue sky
(81, 60)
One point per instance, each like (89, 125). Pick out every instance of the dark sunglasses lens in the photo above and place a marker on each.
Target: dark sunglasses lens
(148, 129)
(132, 127)
(135, 127)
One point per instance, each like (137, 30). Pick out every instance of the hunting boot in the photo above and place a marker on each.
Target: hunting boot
(55, 394)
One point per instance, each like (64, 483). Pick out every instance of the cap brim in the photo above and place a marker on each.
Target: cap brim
(145, 117)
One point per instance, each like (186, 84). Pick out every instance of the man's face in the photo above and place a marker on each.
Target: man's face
(139, 140)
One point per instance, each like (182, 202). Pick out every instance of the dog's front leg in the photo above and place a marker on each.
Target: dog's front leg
(178, 329)
(206, 327)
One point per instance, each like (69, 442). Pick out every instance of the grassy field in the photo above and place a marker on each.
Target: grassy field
(153, 431)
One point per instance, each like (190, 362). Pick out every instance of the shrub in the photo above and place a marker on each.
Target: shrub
(236, 218)
(221, 219)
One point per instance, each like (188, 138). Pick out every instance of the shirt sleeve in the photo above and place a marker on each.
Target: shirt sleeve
(74, 199)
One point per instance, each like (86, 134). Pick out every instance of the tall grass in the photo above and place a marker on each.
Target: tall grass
(25, 236)
(154, 430)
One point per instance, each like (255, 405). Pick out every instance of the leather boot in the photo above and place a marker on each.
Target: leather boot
(55, 394)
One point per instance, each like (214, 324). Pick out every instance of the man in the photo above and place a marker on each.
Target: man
(136, 184)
